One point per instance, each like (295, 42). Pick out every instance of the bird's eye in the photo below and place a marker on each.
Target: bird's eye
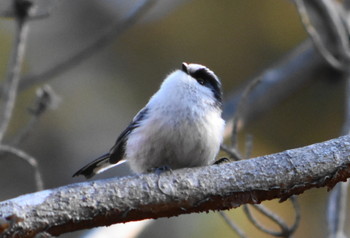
(201, 81)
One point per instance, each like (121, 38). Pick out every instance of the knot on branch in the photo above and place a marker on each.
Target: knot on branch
(22, 8)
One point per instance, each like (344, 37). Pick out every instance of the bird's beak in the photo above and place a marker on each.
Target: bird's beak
(185, 67)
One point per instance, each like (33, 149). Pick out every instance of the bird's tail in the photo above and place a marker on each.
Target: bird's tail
(97, 166)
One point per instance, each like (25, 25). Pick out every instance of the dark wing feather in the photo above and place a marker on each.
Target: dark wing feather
(92, 168)
(118, 150)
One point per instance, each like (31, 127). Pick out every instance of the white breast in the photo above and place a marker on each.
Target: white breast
(181, 129)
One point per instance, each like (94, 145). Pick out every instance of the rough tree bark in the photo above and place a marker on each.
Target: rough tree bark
(104, 202)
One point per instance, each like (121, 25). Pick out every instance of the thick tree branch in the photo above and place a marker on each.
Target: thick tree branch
(217, 187)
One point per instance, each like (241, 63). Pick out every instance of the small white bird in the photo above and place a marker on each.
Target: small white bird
(181, 126)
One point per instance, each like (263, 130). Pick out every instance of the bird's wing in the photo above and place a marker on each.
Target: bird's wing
(117, 152)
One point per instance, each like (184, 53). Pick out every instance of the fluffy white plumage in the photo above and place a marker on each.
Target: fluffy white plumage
(181, 126)
(182, 129)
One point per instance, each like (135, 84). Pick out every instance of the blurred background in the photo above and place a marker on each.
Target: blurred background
(99, 97)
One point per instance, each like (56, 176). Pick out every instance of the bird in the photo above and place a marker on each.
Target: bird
(180, 126)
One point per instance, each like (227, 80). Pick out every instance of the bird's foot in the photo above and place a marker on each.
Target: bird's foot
(222, 160)
(160, 170)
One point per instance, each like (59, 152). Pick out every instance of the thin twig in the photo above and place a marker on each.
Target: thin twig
(46, 99)
(346, 125)
(285, 230)
(271, 215)
(105, 39)
(336, 210)
(25, 131)
(239, 114)
(248, 146)
(316, 38)
(279, 81)
(13, 75)
(257, 224)
(29, 159)
(297, 217)
(22, 9)
(232, 225)
(326, 15)
(328, 26)
(232, 152)
(336, 207)
(44, 13)
(335, 15)
(237, 118)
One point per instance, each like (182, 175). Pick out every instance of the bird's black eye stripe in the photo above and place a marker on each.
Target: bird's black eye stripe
(201, 81)
(207, 79)
(204, 77)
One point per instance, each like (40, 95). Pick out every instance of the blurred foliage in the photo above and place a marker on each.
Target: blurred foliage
(236, 39)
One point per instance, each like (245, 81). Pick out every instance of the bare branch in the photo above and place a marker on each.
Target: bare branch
(46, 99)
(326, 23)
(248, 146)
(28, 159)
(232, 225)
(257, 224)
(104, 40)
(239, 119)
(336, 210)
(36, 11)
(232, 152)
(17, 56)
(279, 82)
(336, 206)
(22, 9)
(242, 105)
(328, 26)
(217, 187)
(297, 211)
(286, 231)
(346, 125)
